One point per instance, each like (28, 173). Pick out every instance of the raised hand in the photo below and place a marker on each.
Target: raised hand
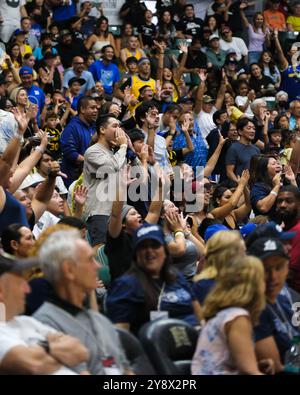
(183, 48)
(80, 194)
(276, 181)
(121, 137)
(43, 137)
(202, 75)
(185, 125)
(244, 177)
(144, 154)
(21, 120)
(54, 170)
(289, 174)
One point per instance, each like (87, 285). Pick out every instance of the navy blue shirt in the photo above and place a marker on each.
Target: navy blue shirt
(258, 192)
(126, 301)
(202, 288)
(273, 323)
(13, 212)
(240, 155)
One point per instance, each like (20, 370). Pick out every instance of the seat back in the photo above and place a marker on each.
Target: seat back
(170, 345)
(135, 354)
(103, 272)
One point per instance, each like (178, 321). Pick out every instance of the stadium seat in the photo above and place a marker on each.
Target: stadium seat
(115, 30)
(135, 354)
(170, 345)
(103, 272)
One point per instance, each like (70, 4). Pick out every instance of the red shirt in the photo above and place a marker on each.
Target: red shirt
(295, 258)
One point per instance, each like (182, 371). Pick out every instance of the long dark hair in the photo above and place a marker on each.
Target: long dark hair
(218, 193)
(271, 63)
(151, 291)
(97, 29)
(261, 174)
(9, 52)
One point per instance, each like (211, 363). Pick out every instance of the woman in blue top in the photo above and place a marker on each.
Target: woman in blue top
(151, 286)
(266, 184)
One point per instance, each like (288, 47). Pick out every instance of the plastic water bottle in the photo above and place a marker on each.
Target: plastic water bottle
(292, 357)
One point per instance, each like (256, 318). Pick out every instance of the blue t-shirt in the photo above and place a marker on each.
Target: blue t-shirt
(202, 288)
(277, 322)
(36, 96)
(198, 157)
(86, 75)
(64, 12)
(290, 83)
(108, 75)
(240, 155)
(126, 301)
(258, 192)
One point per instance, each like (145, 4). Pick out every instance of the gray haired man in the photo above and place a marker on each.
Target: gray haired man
(70, 267)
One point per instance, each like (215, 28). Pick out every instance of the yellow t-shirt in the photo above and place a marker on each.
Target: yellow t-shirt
(285, 156)
(136, 84)
(295, 22)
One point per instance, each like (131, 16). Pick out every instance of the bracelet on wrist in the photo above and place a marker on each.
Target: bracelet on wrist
(179, 232)
(41, 150)
(18, 136)
(123, 145)
(274, 193)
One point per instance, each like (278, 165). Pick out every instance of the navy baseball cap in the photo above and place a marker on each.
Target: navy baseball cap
(266, 247)
(270, 229)
(146, 232)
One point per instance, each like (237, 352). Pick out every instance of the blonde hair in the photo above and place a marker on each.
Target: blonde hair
(15, 92)
(220, 249)
(34, 251)
(239, 284)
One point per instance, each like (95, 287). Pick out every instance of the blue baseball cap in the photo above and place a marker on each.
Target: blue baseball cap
(212, 229)
(18, 32)
(25, 70)
(247, 229)
(146, 232)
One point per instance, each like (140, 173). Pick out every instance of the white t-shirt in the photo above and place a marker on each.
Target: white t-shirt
(25, 331)
(46, 220)
(237, 44)
(205, 122)
(160, 150)
(10, 9)
(241, 101)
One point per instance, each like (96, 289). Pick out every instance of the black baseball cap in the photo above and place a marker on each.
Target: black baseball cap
(81, 81)
(266, 247)
(18, 266)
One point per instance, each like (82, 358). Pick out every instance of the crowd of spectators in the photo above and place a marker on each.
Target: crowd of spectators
(148, 170)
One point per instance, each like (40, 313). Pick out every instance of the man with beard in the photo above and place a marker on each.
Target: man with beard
(288, 212)
(69, 47)
(78, 71)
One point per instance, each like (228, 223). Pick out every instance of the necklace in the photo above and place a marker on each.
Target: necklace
(282, 318)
